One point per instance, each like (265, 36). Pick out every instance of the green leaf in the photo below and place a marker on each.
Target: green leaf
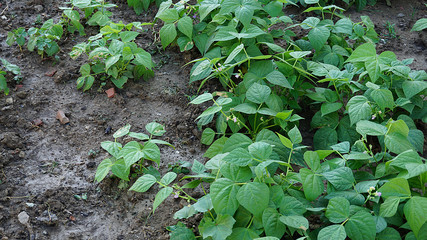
(384, 98)
(103, 169)
(397, 187)
(260, 150)
(318, 37)
(416, 213)
(272, 224)
(210, 111)
(85, 69)
(389, 207)
(338, 210)
(223, 193)
(258, 93)
(169, 15)
(333, 232)
(254, 196)
(202, 98)
(412, 88)
(220, 229)
(120, 169)
(409, 156)
(361, 226)
(112, 148)
(143, 183)
(341, 178)
(389, 234)
(397, 143)
(358, 109)
(168, 178)
(365, 127)
(313, 160)
(206, 7)
(277, 78)
(128, 36)
(208, 136)
(324, 138)
(140, 136)
(155, 129)
(122, 131)
(236, 173)
(203, 204)
(167, 34)
(312, 184)
(420, 25)
(181, 232)
(363, 53)
(285, 141)
(185, 25)
(327, 107)
(161, 196)
(151, 152)
(234, 53)
(363, 187)
(242, 233)
(298, 222)
(295, 135)
(131, 153)
(215, 148)
(247, 108)
(144, 58)
(373, 67)
(239, 157)
(237, 140)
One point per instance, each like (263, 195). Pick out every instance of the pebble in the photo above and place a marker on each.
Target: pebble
(22, 94)
(110, 93)
(9, 101)
(400, 15)
(60, 115)
(23, 218)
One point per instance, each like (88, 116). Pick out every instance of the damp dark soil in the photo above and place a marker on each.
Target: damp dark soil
(44, 164)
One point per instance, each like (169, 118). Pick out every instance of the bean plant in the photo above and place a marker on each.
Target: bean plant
(6, 67)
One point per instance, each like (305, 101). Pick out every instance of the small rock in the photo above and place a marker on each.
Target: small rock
(50, 73)
(45, 232)
(12, 140)
(400, 15)
(30, 205)
(38, 8)
(90, 164)
(110, 93)
(23, 218)
(9, 101)
(60, 115)
(22, 94)
(21, 154)
(37, 122)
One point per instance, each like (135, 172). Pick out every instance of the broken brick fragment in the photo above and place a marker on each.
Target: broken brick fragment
(60, 115)
(110, 93)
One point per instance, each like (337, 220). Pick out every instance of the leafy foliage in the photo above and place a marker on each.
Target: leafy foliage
(6, 67)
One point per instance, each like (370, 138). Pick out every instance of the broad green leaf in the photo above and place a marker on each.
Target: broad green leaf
(203, 204)
(312, 160)
(277, 78)
(237, 140)
(168, 178)
(358, 109)
(167, 34)
(220, 229)
(185, 25)
(208, 136)
(120, 169)
(239, 157)
(416, 213)
(397, 187)
(155, 129)
(185, 212)
(342, 147)
(242, 233)
(327, 107)
(361, 226)
(122, 131)
(324, 138)
(333, 232)
(85, 69)
(416, 138)
(143, 183)
(365, 127)
(236, 173)
(318, 37)
(285, 141)
(234, 53)
(420, 25)
(128, 36)
(210, 111)
(161, 196)
(338, 210)
(202, 98)
(389, 207)
(384, 98)
(341, 178)
(140, 136)
(103, 169)
(260, 150)
(215, 148)
(412, 88)
(389, 234)
(312, 184)
(292, 206)
(272, 224)
(298, 222)
(363, 187)
(151, 152)
(247, 108)
(254, 196)
(409, 156)
(258, 93)
(223, 193)
(206, 7)
(112, 148)
(144, 58)
(397, 143)
(131, 153)
(363, 53)
(373, 67)
(295, 135)
(169, 15)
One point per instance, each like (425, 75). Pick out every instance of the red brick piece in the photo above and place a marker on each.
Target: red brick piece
(110, 93)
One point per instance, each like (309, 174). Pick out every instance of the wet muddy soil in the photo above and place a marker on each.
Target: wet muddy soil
(46, 167)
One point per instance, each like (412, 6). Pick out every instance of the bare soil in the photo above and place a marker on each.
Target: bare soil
(43, 167)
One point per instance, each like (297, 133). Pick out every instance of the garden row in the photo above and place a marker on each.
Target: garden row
(364, 178)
